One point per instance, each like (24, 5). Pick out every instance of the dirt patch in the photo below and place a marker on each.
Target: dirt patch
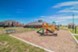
(3, 43)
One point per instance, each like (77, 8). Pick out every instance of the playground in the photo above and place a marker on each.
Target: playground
(49, 38)
(61, 43)
(38, 25)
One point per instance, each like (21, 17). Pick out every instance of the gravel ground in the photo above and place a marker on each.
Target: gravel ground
(61, 43)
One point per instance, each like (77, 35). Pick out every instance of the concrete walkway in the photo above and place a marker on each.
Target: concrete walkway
(61, 43)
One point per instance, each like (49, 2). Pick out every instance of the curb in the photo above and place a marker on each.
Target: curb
(74, 37)
(32, 44)
(75, 34)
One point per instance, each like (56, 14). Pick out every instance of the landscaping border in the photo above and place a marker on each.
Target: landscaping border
(32, 44)
(74, 37)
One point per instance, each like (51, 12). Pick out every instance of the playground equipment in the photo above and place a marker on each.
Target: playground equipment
(46, 28)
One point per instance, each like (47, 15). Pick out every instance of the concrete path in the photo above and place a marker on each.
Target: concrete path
(61, 43)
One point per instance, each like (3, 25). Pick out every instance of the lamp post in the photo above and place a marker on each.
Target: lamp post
(73, 22)
(74, 27)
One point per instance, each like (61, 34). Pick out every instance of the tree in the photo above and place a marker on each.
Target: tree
(54, 23)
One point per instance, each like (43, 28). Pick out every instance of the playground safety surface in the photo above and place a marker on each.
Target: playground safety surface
(63, 42)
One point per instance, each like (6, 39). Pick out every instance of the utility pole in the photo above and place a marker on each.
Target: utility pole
(73, 21)
(74, 27)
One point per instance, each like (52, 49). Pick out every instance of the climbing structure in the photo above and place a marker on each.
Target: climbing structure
(46, 28)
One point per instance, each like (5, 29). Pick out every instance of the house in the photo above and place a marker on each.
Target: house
(1, 24)
(10, 23)
(35, 24)
(71, 25)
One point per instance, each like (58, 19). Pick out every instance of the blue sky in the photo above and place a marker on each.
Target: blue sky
(26, 11)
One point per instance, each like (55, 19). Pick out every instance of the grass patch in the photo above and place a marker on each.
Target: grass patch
(63, 27)
(76, 36)
(73, 31)
(17, 29)
(10, 44)
(1, 28)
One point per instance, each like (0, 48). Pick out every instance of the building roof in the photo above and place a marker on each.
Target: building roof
(39, 22)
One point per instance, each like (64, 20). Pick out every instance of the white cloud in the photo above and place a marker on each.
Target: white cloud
(70, 3)
(59, 21)
(63, 16)
(58, 18)
(68, 10)
(72, 7)
(67, 17)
